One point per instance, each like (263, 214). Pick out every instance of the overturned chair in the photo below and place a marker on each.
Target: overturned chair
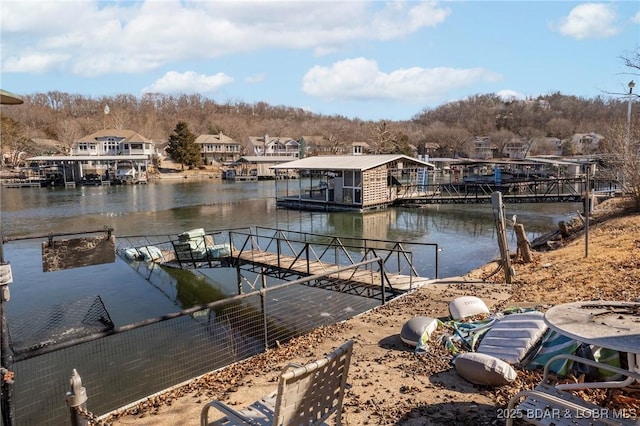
(307, 395)
(552, 405)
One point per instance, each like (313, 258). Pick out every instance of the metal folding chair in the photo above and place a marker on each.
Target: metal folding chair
(307, 395)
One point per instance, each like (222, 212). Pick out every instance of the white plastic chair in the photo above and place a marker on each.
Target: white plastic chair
(306, 395)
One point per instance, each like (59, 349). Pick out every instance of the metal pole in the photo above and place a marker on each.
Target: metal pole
(627, 137)
(6, 359)
(77, 400)
(587, 212)
(631, 86)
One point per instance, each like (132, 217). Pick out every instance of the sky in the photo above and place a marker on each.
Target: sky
(368, 60)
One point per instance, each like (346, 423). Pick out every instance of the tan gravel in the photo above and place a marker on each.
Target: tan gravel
(389, 383)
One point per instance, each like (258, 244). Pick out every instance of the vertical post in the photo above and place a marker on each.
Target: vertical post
(265, 323)
(523, 243)
(239, 277)
(381, 267)
(77, 400)
(629, 97)
(6, 387)
(627, 136)
(496, 202)
(6, 360)
(587, 211)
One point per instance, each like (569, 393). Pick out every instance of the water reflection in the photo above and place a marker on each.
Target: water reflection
(464, 233)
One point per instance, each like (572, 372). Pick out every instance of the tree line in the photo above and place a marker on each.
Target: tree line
(66, 117)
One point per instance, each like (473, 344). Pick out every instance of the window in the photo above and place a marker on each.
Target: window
(348, 178)
(110, 145)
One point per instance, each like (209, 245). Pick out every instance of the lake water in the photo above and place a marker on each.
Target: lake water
(465, 234)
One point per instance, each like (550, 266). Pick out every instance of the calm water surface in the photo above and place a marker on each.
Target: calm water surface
(465, 234)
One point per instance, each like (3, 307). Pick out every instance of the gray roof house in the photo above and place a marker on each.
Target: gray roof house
(218, 148)
(279, 146)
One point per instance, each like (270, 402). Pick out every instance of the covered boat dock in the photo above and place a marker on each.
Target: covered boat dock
(348, 182)
(73, 168)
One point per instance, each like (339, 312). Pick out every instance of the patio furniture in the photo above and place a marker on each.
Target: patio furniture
(605, 324)
(551, 405)
(306, 395)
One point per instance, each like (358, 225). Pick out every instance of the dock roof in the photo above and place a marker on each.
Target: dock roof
(89, 158)
(265, 159)
(347, 162)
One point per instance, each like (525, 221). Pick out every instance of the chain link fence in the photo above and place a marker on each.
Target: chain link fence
(120, 366)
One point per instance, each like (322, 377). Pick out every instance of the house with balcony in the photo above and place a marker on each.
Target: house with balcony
(274, 146)
(586, 143)
(516, 149)
(320, 145)
(482, 148)
(118, 155)
(113, 142)
(218, 148)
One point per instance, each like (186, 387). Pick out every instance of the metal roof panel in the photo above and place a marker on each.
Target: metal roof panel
(346, 162)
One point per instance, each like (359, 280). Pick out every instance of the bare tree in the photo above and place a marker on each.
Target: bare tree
(15, 142)
(500, 139)
(622, 159)
(622, 145)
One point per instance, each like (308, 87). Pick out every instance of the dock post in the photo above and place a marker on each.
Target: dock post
(524, 246)
(498, 207)
(239, 277)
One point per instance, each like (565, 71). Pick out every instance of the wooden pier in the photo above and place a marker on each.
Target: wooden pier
(372, 268)
(356, 280)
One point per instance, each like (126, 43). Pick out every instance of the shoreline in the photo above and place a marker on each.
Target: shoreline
(389, 383)
(377, 343)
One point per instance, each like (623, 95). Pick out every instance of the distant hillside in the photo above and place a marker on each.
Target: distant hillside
(66, 117)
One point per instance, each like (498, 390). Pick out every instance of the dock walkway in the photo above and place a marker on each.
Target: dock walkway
(340, 278)
(556, 190)
(366, 267)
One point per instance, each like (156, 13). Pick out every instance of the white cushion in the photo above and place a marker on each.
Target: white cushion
(513, 337)
(413, 329)
(466, 306)
(482, 369)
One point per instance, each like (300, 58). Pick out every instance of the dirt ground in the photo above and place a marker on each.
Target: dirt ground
(392, 385)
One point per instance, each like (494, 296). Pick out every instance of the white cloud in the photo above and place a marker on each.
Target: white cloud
(636, 18)
(36, 63)
(188, 82)
(508, 95)
(93, 38)
(590, 20)
(361, 79)
(253, 79)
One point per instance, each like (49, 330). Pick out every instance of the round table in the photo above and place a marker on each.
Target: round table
(609, 324)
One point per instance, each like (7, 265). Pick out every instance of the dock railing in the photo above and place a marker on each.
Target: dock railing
(283, 254)
(527, 191)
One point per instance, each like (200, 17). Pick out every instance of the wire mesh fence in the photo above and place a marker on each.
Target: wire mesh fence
(123, 365)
